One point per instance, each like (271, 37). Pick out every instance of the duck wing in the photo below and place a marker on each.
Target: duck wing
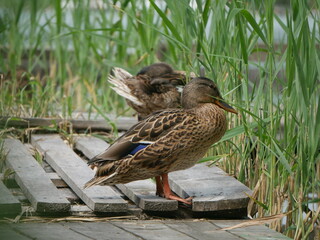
(141, 134)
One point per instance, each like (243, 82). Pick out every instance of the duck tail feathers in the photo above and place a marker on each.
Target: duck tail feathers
(99, 180)
(120, 86)
(121, 74)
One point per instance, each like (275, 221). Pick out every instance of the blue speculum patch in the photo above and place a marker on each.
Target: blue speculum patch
(138, 148)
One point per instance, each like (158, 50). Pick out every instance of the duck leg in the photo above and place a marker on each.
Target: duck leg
(167, 193)
(159, 186)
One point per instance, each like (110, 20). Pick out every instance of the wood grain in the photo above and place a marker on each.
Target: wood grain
(78, 121)
(33, 180)
(212, 188)
(75, 172)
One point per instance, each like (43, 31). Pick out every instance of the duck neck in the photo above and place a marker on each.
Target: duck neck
(212, 115)
(209, 110)
(214, 118)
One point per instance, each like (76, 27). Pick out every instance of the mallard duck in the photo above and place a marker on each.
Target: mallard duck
(166, 141)
(155, 87)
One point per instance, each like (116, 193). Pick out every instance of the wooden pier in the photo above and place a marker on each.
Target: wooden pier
(54, 184)
(137, 230)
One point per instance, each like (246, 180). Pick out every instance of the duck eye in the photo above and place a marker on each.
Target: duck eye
(210, 86)
(207, 85)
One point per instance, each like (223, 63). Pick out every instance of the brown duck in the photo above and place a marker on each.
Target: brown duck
(166, 141)
(155, 87)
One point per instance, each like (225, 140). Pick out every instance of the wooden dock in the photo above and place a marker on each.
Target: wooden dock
(211, 188)
(75, 172)
(138, 229)
(33, 180)
(80, 120)
(54, 186)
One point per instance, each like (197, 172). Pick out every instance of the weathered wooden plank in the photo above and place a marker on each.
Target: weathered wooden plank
(32, 179)
(122, 122)
(151, 229)
(155, 230)
(142, 193)
(7, 233)
(8, 203)
(98, 231)
(252, 232)
(79, 121)
(48, 231)
(212, 188)
(203, 230)
(76, 173)
(90, 146)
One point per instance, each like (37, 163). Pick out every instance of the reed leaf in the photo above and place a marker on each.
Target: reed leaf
(56, 56)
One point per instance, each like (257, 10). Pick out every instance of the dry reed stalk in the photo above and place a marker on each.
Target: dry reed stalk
(252, 208)
(37, 219)
(258, 221)
(262, 194)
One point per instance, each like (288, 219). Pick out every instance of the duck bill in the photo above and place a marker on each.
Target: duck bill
(226, 106)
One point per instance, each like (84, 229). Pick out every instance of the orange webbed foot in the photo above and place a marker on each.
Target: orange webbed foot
(163, 190)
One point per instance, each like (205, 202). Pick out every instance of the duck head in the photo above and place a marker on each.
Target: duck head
(203, 90)
(164, 74)
(156, 70)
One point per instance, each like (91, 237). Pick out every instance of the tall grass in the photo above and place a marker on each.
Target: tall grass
(272, 146)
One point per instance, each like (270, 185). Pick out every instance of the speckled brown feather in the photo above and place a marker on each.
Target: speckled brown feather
(149, 130)
(178, 137)
(153, 88)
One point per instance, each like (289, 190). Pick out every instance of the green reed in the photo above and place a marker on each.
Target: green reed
(272, 146)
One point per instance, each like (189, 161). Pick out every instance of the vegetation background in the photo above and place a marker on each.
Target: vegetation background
(264, 56)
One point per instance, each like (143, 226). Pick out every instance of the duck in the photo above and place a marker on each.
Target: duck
(155, 87)
(166, 141)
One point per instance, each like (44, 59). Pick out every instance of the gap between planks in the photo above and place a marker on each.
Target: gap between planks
(33, 180)
(75, 172)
